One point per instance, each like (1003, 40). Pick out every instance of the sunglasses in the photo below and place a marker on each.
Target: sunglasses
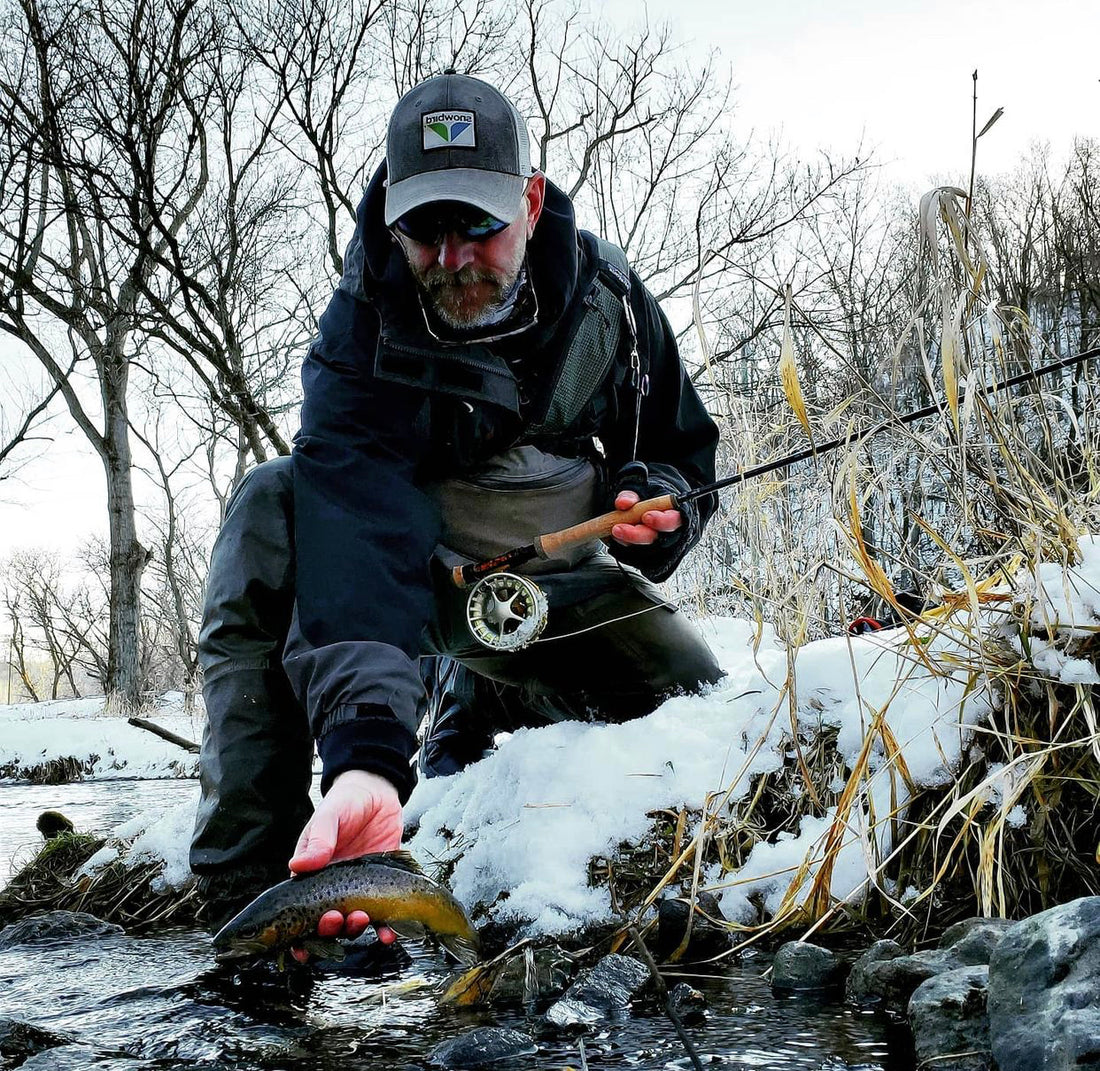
(428, 224)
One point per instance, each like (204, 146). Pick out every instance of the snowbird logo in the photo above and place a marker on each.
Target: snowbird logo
(449, 130)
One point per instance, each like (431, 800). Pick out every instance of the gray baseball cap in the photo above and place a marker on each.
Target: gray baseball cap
(456, 138)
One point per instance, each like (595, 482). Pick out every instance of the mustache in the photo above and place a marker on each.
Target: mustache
(438, 278)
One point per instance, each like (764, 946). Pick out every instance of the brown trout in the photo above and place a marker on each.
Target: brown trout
(388, 886)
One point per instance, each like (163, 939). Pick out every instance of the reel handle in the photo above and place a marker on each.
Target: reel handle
(599, 527)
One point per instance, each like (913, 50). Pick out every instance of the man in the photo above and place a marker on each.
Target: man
(483, 373)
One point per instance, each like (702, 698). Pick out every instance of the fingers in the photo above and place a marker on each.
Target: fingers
(331, 924)
(356, 923)
(653, 524)
(626, 499)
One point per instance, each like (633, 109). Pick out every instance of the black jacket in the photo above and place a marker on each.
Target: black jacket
(375, 429)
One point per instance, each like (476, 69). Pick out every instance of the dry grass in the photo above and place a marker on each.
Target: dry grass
(122, 893)
(964, 506)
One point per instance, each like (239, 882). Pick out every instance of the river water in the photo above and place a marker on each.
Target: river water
(143, 1003)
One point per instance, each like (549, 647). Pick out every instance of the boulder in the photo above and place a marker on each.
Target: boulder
(972, 941)
(950, 1026)
(1044, 981)
(482, 1047)
(54, 926)
(886, 976)
(800, 966)
(601, 993)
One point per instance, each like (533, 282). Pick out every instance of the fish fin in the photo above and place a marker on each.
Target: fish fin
(399, 859)
(324, 948)
(464, 947)
(472, 986)
(409, 929)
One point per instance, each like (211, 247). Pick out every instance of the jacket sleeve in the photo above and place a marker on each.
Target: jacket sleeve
(677, 440)
(364, 533)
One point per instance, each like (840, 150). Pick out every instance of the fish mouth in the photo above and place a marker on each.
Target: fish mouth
(238, 951)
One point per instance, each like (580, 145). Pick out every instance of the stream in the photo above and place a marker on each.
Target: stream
(158, 1002)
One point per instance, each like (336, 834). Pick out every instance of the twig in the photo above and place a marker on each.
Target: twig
(662, 989)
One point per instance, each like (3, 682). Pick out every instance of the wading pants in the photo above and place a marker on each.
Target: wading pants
(612, 650)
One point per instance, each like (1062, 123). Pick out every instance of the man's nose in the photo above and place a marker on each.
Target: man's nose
(455, 252)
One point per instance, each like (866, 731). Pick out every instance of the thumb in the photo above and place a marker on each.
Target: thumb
(316, 844)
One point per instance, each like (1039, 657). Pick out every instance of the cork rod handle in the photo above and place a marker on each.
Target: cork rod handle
(599, 527)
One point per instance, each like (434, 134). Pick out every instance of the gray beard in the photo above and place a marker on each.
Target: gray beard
(494, 313)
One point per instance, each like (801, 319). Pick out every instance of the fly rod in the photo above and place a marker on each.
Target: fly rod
(547, 546)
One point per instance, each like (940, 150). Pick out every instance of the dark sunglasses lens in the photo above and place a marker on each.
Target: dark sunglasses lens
(428, 225)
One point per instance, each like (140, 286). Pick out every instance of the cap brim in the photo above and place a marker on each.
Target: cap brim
(491, 191)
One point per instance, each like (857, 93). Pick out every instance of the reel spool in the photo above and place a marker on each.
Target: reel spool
(506, 612)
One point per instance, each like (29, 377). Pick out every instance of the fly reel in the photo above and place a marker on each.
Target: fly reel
(506, 611)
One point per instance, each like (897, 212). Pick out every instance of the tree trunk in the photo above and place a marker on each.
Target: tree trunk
(127, 556)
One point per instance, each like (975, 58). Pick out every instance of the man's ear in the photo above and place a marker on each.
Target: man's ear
(533, 198)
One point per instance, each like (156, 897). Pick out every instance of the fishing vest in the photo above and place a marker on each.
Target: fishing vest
(602, 320)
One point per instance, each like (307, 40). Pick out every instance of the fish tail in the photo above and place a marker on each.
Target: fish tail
(464, 947)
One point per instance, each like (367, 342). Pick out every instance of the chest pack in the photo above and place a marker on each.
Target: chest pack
(603, 319)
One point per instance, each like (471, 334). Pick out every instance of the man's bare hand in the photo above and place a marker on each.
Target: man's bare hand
(653, 523)
(360, 814)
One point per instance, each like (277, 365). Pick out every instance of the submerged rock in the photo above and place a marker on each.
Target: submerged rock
(688, 1003)
(801, 966)
(949, 1020)
(1044, 977)
(20, 1040)
(55, 925)
(481, 1047)
(601, 993)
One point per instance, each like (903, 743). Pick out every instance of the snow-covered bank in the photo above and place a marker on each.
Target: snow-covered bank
(33, 735)
(523, 823)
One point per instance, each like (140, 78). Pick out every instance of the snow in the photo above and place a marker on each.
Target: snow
(520, 826)
(34, 733)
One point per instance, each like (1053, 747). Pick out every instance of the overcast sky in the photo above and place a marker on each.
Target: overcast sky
(895, 75)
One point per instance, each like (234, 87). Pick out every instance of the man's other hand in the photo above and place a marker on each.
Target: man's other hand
(653, 523)
(360, 814)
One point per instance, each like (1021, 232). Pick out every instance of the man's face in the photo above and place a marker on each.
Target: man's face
(465, 279)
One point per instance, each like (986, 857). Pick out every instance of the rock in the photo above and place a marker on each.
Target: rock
(481, 1047)
(707, 938)
(950, 1025)
(534, 976)
(885, 976)
(972, 941)
(1044, 978)
(55, 925)
(688, 1003)
(603, 992)
(799, 965)
(52, 824)
(20, 1040)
